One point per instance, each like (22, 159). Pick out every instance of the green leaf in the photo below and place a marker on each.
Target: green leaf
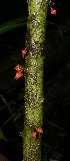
(6, 103)
(13, 24)
(2, 136)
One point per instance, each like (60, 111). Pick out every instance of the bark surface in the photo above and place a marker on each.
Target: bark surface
(34, 62)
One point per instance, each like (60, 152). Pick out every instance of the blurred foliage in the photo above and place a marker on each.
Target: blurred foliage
(6, 104)
(2, 136)
(13, 24)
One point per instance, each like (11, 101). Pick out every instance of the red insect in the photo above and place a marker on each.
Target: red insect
(19, 67)
(53, 11)
(24, 51)
(34, 133)
(18, 75)
(39, 130)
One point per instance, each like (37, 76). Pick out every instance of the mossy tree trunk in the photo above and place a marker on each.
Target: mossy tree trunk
(34, 61)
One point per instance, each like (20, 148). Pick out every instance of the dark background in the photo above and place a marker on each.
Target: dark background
(56, 80)
(12, 9)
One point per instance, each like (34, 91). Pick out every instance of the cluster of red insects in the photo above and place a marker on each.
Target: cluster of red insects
(36, 131)
(19, 74)
(19, 68)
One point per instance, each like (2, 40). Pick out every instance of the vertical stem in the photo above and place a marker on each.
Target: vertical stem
(34, 62)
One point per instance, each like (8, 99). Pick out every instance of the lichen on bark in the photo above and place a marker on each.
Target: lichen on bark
(34, 62)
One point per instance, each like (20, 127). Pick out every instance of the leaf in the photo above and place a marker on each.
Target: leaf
(2, 136)
(13, 24)
(6, 103)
